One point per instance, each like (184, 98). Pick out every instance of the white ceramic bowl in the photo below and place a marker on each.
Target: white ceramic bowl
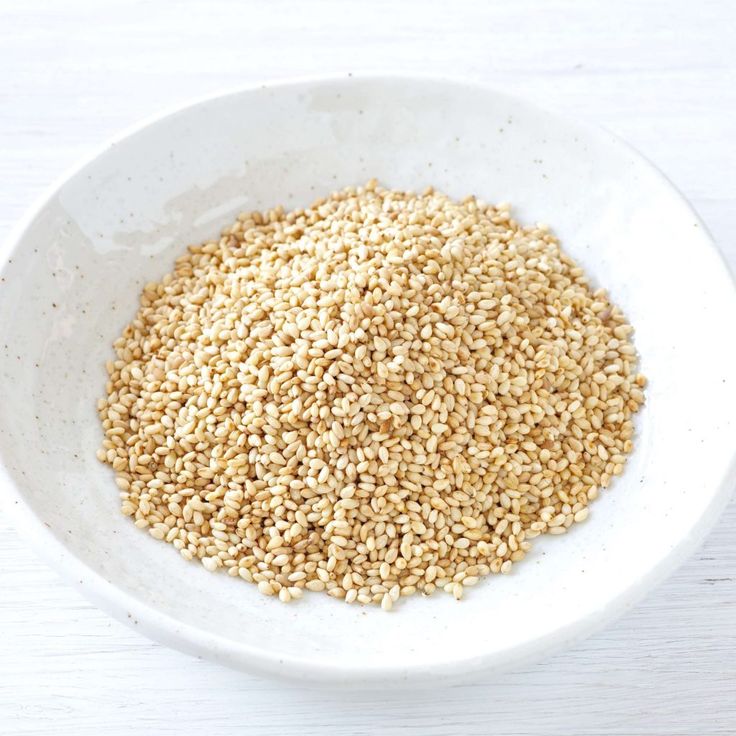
(71, 279)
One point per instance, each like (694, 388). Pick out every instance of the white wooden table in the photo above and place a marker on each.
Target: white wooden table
(660, 74)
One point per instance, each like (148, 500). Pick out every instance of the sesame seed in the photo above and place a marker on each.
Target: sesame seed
(379, 395)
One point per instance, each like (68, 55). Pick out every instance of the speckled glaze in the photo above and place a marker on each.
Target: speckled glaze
(70, 281)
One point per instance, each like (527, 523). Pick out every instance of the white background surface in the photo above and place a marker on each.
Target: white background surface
(660, 74)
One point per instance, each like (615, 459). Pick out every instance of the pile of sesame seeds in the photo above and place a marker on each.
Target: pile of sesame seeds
(383, 394)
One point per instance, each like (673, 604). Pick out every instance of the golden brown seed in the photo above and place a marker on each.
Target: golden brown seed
(380, 394)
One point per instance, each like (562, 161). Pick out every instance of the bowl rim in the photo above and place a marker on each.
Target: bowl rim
(168, 630)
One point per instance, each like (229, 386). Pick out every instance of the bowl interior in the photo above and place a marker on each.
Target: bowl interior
(73, 283)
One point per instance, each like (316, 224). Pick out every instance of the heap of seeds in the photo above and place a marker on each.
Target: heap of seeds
(381, 394)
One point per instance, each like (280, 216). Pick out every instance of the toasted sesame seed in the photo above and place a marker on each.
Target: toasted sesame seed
(265, 587)
(382, 394)
(582, 515)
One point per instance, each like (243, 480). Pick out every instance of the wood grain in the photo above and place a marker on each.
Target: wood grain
(660, 74)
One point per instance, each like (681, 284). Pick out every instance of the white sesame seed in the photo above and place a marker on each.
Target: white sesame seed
(210, 563)
(382, 394)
